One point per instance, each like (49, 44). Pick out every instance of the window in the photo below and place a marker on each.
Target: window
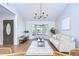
(39, 29)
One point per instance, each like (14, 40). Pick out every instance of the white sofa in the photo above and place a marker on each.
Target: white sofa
(63, 43)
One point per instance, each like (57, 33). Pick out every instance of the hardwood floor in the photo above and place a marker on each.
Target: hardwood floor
(19, 48)
(23, 47)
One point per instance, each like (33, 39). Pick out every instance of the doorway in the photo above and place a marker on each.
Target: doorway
(8, 32)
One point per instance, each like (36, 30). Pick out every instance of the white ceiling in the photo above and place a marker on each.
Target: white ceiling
(27, 10)
(4, 11)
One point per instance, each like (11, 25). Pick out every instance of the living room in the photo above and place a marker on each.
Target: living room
(29, 25)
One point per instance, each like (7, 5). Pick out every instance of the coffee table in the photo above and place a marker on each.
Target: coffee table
(41, 42)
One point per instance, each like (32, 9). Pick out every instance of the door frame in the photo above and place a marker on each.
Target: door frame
(12, 32)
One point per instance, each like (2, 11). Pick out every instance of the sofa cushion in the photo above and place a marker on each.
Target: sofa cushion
(67, 38)
(63, 42)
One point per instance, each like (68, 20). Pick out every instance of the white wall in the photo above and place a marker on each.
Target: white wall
(30, 23)
(18, 23)
(20, 26)
(71, 11)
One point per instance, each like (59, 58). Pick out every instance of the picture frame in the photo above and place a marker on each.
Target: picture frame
(65, 24)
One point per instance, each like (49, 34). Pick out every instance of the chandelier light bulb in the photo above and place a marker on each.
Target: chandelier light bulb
(35, 13)
(42, 12)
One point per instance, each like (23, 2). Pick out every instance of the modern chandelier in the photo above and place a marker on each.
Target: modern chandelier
(41, 14)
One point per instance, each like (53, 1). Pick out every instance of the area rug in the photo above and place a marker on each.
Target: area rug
(35, 50)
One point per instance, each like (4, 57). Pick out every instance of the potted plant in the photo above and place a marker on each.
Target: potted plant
(53, 31)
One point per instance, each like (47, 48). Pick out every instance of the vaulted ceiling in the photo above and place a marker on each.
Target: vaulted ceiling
(27, 10)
